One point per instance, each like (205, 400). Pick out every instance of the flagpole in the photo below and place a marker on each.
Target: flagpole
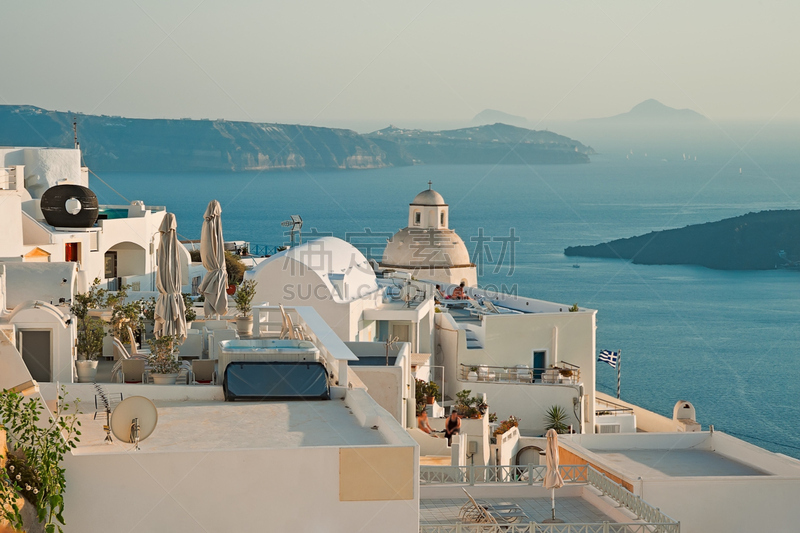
(619, 364)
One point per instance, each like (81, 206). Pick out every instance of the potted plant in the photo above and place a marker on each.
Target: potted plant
(556, 418)
(505, 425)
(244, 298)
(91, 331)
(190, 314)
(163, 361)
(473, 373)
(420, 395)
(431, 392)
(469, 407)
(125, 315)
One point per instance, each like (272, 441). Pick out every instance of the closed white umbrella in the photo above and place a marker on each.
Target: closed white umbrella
(170, 312)
(552, 478)
(212, 253)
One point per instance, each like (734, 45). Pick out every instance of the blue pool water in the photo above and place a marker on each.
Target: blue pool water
(726, 341)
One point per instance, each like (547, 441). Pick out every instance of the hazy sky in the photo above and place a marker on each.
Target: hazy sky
(326, 61)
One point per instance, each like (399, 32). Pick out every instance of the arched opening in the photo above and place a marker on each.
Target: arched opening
(123, 261)
(417, 218)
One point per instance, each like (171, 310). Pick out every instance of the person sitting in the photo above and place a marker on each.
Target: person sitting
(459, 294)
(422, 422)
(439, 294)
(452, 427)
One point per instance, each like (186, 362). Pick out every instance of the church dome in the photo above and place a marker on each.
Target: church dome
(412, 248)
(428, 197)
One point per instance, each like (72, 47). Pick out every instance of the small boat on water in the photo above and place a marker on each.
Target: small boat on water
(576, 266)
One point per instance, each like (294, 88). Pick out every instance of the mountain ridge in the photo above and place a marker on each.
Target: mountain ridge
(175, 145)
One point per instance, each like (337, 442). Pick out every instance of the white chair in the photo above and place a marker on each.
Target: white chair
(524, 374)
(218, 336)
(204, 371)
(484, 374)
(551, 375)
(133, 371)
(135, 349)
(193, 345)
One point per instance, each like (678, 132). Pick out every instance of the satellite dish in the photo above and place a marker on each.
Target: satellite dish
(134, 419)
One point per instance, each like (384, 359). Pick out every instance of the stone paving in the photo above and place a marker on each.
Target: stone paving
(571, 510)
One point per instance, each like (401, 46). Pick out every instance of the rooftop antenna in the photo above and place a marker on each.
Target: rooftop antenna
(75, 132)
(296, 224)
(134, 420)
(390, 344)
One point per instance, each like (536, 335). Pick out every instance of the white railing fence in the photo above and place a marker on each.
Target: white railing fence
(654, 521)
(474, 474)
(534, 527)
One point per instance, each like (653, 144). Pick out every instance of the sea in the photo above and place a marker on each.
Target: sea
(727, 341)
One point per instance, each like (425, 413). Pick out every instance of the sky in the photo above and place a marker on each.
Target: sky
(333, 63)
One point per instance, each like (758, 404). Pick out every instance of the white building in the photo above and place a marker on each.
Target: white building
(427, 248)
(337, 280)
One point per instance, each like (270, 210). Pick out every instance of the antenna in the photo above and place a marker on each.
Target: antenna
(296, 224)
(408, 293)
(75, 132)
(134, 420)
(390, 344)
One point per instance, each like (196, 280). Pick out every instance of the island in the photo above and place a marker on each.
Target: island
(755, 241)
(111, 143)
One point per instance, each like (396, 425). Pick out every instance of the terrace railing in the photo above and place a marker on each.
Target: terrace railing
(533, 527)
(654, 521)
(561, 373)
(606, 407)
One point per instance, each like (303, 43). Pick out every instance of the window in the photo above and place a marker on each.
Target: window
(441, 217)
(71, 252)
(417, 218)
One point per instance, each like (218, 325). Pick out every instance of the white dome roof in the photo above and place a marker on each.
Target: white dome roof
(428, 197)
(415, 247)
(343, 269)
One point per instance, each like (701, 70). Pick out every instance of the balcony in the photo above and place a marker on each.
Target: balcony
(562, 373)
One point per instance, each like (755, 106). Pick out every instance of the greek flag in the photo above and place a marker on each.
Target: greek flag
(609, 357)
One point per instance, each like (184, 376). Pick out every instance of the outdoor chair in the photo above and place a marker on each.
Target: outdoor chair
(204, 371)
(135, 349)
(133, 371)
(121, 355)
(193, 345)
(217, 336)
(482, 512)
(288, 329)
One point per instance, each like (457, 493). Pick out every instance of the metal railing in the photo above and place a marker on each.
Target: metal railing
(610, 408)
(479, 474)
(261, 250)
(561, 373)
(634, 503)
(655, 520)
(534, 527)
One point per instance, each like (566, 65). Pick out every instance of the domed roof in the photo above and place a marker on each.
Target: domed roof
(415, 248)
(428, 197)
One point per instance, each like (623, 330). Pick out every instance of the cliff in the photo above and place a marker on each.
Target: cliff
(142, 145)
(485, 145)
(755, 241)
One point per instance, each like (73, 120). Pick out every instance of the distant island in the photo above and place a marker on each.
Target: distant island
(649, 113)
(755, 241)
(176, 145)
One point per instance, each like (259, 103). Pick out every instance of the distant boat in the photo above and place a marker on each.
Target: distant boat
(740, 170)
(576, 266)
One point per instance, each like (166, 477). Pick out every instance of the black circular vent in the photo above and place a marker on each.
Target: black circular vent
(69, 206)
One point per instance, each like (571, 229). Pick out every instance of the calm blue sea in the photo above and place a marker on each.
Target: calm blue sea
(726, 341)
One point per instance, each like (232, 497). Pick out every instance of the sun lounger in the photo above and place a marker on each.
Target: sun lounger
(482, 512)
